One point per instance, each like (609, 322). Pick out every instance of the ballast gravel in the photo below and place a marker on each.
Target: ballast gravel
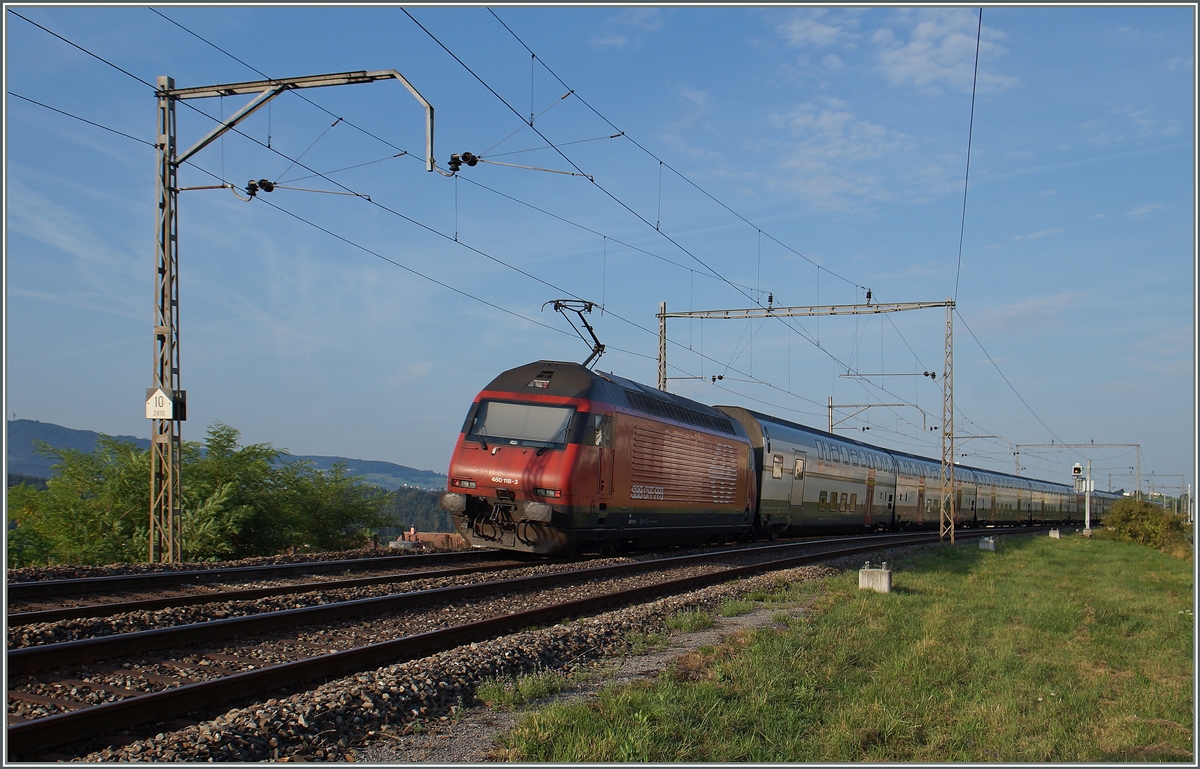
(330, 722)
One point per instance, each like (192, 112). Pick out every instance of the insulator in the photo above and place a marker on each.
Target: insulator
(251, 188)
(265, 185)
(470, 159)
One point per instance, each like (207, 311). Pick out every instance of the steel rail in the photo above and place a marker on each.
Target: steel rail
(150, 604)
(27, 738)
(64, 587)
(30, 659)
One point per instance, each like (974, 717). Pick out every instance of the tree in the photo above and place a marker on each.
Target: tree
(234, 501)
(418, 508)
(331, 510)
(239, 490)
(94, 510)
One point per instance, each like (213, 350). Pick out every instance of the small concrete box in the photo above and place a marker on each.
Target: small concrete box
(1054, 534)
(879, 580)
(987, 543)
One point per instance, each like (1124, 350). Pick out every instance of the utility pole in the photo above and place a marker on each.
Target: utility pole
(948, 496)
(1087, 500)
(166, 403)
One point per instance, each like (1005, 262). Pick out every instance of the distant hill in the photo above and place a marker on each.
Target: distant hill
(22, 460)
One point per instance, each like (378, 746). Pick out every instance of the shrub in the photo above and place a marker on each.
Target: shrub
(1135, 520)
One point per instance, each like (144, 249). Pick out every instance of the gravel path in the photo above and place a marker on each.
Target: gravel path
(472, 738)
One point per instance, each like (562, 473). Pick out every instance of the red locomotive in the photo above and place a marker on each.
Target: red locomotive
(554, 457)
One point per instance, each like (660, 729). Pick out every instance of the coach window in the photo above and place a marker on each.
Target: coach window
(854, 503)
(845, 501)
(777, 466)
(798, 473)
(821, 500)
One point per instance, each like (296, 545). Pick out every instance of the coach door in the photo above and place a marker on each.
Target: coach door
(797, 496)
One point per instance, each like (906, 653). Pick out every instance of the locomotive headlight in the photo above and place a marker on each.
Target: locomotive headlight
(463, 484)
(555, 493)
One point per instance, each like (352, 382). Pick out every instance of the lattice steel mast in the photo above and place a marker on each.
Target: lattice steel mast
(166, 403)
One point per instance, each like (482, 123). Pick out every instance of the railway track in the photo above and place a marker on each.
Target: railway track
(69, 588)
(60, 678)
(143, 604)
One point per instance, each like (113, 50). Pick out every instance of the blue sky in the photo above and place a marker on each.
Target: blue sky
(808, 153)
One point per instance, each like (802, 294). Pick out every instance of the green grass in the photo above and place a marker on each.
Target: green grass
(735, 608)
(508, 693)
(691, 621)
(641, 643)
(1047, 650)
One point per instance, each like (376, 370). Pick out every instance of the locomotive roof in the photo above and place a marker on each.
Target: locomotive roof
(573, 380)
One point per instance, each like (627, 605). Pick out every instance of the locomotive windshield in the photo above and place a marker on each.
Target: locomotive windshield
(521, 424)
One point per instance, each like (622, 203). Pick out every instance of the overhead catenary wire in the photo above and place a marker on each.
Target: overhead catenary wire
(609, 194)
(551, 144)
(662, 163)
(361, 194)
(81, 119)
(702, 190)
(967, 174)
(406, 218)
(660, 160)
(367, 198)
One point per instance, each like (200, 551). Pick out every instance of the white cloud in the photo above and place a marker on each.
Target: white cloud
(934, 49)
(1129, 124)
(803, 31)
(106, 270)
(628, 27)
(1033, 315)
(832, 62)
(827, 146)
(1038, 235)
(1146, 209)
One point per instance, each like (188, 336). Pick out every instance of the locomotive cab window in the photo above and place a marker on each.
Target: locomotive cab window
(521, 424)
(777, 466)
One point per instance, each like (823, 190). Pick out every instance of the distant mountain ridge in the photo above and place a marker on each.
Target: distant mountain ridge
(23, 460)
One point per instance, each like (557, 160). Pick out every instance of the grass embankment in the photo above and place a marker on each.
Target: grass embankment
(1047, 650)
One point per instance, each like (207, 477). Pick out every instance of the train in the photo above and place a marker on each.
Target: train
(555, 458)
